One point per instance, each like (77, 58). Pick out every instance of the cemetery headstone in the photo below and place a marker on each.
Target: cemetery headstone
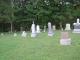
(44, 28)
(54, 28)
(76, 27)
(38, 29)
(33, 29)
(24, 34)
(50, 32)
(65, 39)
(67, 27)
(15, 34)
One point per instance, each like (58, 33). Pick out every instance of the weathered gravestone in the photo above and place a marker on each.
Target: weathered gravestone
(54, 27)
(44, 28)
(15, 34)
(24, 34)
(76, 27)
(67, 27)
(38, 29)
(65, 39)
(50, 32)
(33, 29)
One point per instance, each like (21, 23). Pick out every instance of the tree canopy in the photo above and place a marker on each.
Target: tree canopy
(21, 13)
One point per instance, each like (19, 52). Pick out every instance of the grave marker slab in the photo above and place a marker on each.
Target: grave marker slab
(33, 29)
(65, 40)
(24, 34)
(38, 29)
(15, 34)
(76, 27)
(50, 32)
(44, 28)
(67, 27)
(54, 27)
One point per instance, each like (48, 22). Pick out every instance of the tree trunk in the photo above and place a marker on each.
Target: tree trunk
(11, 26)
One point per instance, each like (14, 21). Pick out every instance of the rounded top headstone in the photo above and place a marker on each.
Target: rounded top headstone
(77, 20)
(49, 22)
(24, 34)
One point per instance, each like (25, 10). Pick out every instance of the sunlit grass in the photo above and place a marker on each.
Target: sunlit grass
(40, 48)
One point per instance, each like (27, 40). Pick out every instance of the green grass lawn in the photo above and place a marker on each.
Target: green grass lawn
(40, 48)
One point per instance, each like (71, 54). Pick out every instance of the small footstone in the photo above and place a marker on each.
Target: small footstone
(24, 34)
(15, 34)
(76, 27)
(33, 30)
(54, 27)
(44, 29)
(67, 27)
(38, 29)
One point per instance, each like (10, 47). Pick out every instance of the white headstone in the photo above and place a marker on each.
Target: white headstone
(24, 34)
(50, 32)
(54, 28)
(33, 29)
(65, 40)
(67, 27)
(76, 27)
(15, 34)
(78, 20)
(44, 28)
(38, 29)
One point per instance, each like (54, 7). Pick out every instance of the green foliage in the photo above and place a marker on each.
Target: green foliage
(41, 11)
(40, 48)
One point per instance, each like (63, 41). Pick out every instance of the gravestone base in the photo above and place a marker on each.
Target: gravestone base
(65, 41)
(24, 34)
(76, 31)
(33, 35)
(50, 34)
(67, 29)
(54, 28)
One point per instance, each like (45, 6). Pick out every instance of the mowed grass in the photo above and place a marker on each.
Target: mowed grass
(40, 48)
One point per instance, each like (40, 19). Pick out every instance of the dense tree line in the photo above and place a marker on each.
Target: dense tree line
(19, 14)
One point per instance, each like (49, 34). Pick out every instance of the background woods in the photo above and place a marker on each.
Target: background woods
(16, 15)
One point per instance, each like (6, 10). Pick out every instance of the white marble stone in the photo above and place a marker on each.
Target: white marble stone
(15, 34)
(50, 32)
(24, 34)
(67, 27)
(76, 27)
(38, 29)
(33, 29)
